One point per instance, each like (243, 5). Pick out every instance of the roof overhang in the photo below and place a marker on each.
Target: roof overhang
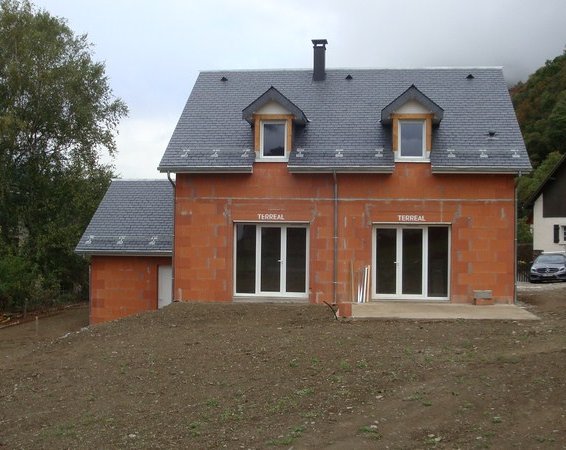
(206, 169)
(330, 169)
(94, 252)
(479, 170)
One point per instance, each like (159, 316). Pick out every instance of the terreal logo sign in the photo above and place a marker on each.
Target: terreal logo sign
(411, 218)
(270, 216)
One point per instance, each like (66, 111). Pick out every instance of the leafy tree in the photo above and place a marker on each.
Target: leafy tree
(527, 185)
(540, 104)
(57, 115)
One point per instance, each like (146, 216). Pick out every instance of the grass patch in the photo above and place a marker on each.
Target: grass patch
(362, 364)
(370, 432)
(304, 392)
(232, 414)
(282, 405)
(194, 429)
(212, 403)
(288, 439)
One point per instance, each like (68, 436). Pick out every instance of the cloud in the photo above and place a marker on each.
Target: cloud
(141, 144)
(154, 50)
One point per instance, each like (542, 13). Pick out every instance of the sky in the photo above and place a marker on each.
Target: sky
(153, 51)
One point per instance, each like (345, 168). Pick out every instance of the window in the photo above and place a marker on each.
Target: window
(411, 139)
(271, 260)
(564, 233)
(273, 139)
(411, 262)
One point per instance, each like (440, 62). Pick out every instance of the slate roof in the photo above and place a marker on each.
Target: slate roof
(134, 217)
(346, 114)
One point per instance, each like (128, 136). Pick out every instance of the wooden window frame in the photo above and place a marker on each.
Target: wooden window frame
(427, 118)
(259, 120)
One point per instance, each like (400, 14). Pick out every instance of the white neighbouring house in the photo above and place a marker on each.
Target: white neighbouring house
(549, 211)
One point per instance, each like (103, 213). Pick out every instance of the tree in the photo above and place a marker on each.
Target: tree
(527, 185)
(540, 104)
(57, 116)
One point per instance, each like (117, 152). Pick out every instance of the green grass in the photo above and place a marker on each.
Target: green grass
(212, 403)
(370, 432)
(362, 364)
(293, 435)
(194, 429)
(304, 392)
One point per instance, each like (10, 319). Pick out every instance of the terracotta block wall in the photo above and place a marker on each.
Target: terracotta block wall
(123, 285)
(478, 208)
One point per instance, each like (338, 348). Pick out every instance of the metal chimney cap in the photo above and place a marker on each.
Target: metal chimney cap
(319, 42)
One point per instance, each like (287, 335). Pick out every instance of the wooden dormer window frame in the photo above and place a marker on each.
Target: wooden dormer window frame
(259, 121)
(396, 136)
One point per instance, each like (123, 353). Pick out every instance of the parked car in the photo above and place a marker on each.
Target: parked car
(548, 267)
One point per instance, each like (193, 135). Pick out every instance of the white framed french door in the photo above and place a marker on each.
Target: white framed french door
(411, 262)
(271, 260)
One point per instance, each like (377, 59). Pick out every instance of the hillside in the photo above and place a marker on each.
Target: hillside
(540, 104)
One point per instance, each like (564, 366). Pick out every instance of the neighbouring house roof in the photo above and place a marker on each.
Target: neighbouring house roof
(551, 176)
(135, 217)
(478, 132)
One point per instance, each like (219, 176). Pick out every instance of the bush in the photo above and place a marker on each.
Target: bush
(22, 287)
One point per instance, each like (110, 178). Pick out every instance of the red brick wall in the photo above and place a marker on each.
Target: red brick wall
(480, 209)
(123, 285)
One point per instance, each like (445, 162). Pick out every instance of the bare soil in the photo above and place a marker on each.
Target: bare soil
(259, 376)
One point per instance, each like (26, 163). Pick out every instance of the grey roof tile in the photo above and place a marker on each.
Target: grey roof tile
(345, 114)
(134, 217)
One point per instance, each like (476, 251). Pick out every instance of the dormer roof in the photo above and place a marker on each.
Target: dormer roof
(412, 94)
(273, 95)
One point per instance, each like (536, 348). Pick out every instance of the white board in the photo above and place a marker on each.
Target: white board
(164, 286)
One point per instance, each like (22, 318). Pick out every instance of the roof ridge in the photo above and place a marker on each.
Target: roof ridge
(366, 68)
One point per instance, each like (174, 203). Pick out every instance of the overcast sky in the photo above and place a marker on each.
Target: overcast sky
(154, 50)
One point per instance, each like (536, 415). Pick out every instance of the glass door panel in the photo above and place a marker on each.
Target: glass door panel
(438, 262)
(296, 261)
(386, 260)
(270, 259)
(245, 258)
(412, 271)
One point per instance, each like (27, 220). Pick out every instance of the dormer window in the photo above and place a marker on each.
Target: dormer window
(412, 138)
(273, 118)
(273, 139)
(411, 117)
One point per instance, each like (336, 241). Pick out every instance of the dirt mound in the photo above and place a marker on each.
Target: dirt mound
(254, 376)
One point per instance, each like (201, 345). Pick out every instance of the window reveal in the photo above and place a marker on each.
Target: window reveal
(411, 138)
(273, 141)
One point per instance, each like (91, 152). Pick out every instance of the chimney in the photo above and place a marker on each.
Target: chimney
(319, 69)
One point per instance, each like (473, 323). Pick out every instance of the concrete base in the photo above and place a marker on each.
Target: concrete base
(416, 310)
